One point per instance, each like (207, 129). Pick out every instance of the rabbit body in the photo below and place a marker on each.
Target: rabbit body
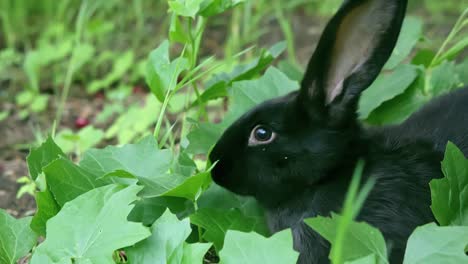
(403, 159)
(296, 154)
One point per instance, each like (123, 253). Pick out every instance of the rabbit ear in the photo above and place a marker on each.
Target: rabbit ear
(353, 48)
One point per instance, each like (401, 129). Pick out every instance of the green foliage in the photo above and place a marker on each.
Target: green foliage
(252, 248)
(167, 243)
(154, 199)
(161, 73)
(85, 230)
(450, 194)
(218, 222)
(409, 86)
(16, 238)
(79, 142)
(433, 244)
(362, 239)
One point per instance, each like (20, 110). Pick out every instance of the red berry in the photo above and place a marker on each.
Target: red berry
(137, 90)
(81, 122)
(100, 95)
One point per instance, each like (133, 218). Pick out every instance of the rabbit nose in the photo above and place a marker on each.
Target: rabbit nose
(219, 174)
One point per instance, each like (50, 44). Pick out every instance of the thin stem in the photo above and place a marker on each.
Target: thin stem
(286, 28)
(71, 65)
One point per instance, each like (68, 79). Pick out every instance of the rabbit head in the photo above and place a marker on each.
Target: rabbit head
(295, 142)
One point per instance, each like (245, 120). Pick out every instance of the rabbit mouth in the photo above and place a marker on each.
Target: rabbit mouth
(225, 176)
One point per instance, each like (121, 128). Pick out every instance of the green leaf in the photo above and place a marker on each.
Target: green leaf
(407, 103)
(192, 186)
(450, 194)
(253, 248)
(361, 240)
(423, 57)
(166, 244)
(219, 198)
(410, 34)
(385, 88)
(291, 70)
(444, 78)
(67, 181)
(84, 53)
(203, 137)
(142, 159)
(432, 244)
(177, 32)
(245, 95)
(161, 73)
(371, 259)
(195, 253)
(85, 139)
(43, 155)
(16, 238)
(39, 103)
(91, 227)
(186, 8)
(126, 129)
(248, 94)
(121, 65)
(147, 210)
(216, 7)
(217, 222)
(217, 87)
(47, 207)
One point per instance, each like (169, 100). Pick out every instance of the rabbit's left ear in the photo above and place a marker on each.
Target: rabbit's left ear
(351, 52)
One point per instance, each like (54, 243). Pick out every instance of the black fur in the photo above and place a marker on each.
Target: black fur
(306, 169)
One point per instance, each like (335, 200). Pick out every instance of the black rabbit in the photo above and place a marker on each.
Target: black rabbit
(296, 154)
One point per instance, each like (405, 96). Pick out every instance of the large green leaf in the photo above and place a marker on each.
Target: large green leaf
(385, 88)
(192, 186)
(67, 181)
(253, 248)
(142, 159)
(450, 194)
(432, 244)
(406, 103)
(410, 33)
(43, 155)
(361, 239)
(161, 73)
(219, 198)
(195, 253)
(47, 206)
(16, 238)
(157, 169)
(167, 243)
(217, 222)
(91, 227)
(245, 95)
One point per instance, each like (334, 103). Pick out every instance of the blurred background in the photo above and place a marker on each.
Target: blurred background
(77, 68)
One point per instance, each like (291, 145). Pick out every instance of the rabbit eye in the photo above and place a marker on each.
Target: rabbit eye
(261, 135)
